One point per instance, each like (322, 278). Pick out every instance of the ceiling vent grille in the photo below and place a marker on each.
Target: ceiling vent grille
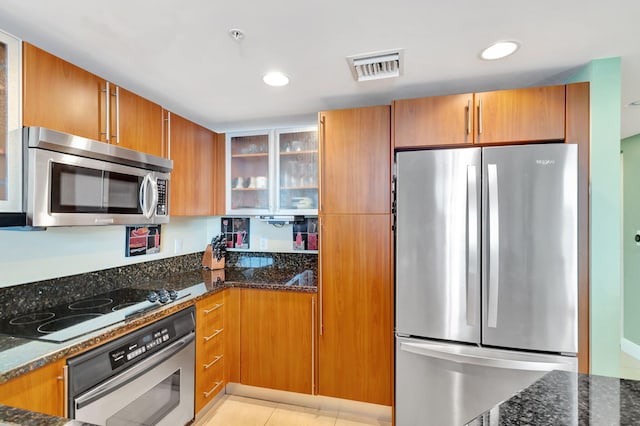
(375, 66)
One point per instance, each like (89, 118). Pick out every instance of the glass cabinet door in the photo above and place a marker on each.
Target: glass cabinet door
(249, 168)
(10, 124)
(297, 152)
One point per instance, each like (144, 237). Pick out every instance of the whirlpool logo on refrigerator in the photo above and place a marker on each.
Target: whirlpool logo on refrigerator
(545, 162)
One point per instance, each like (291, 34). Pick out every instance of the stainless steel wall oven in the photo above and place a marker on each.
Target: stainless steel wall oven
(143, 378)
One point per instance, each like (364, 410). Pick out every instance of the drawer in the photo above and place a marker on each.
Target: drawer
(210, 314)
(211, 348)
(210, 382)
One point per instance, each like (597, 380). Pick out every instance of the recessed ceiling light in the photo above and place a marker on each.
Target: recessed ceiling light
(275, 78)
(499, 50)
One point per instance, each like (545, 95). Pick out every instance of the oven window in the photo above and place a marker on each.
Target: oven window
(152, 406)
(76, 189)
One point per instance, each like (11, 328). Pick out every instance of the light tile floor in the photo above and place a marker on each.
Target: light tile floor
(234, 410)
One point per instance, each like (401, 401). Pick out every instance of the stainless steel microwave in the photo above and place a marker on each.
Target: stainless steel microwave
(70, 180)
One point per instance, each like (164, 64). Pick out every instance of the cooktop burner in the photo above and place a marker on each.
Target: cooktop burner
(66, 321)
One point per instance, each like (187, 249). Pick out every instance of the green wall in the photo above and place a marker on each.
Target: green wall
(631, 224)
(606, 304)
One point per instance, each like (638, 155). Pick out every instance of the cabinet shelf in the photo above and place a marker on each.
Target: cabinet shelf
(294, 188)
(258, 154)
(287, 153)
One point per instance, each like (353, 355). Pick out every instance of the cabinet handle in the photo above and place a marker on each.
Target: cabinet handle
(215, 308)
(107, 105)
(206, 394)
(116, 134)
(216, 359)
(207, 338)
(169, 134)
(320, 285)
(313, 345)
(322, 158)
(480, 116)
(469, 116)
(65, 389)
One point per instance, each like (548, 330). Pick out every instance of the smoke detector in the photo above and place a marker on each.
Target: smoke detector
(376, 65)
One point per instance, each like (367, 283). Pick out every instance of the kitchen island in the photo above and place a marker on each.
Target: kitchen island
(565, 398)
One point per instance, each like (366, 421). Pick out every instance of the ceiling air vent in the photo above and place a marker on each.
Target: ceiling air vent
(374, 66)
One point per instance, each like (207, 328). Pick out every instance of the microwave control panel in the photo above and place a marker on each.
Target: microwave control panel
(161, 209)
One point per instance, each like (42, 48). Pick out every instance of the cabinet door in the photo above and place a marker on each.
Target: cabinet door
(61, 96)
(355, 158)
(355, 344)
(433, 121)
(220, 177)
(10, 124)
(137, 123)
(249, 173)
(521, 115)
(277, 340)
(192, 149)
(41, 390)
(297, 164)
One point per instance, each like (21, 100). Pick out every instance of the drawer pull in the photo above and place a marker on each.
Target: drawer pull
(206, 394)
(216, 359)
(207, 338)
(215, 308)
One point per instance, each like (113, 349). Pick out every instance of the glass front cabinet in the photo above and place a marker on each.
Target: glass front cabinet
(273, 172)
(10, 124)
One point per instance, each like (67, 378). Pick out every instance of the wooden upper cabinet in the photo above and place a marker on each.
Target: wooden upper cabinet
(437, 121)
(63, 97)
(60, 96)
(218, 193)
(277, 332)
(137, 123)
(41, 390)
(520, 115)
(355, 160)
(193, 178)
(506, 116)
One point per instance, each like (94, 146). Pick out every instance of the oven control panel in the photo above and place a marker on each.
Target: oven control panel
(137, 348)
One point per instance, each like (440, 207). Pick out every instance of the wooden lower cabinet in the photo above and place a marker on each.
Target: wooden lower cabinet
(209, 374)
(277, 339)
(355, 344)
(41, 390)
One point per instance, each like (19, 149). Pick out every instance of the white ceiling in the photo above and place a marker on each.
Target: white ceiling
(179, 54)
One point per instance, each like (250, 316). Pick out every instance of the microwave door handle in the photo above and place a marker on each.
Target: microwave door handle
(153, 184)
(142, 195)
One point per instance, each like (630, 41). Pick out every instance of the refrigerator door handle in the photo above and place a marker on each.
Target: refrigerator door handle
(472, 245)
(478, 360)
(494, 246)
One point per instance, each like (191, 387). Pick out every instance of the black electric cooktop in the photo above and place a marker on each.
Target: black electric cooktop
(69, 320)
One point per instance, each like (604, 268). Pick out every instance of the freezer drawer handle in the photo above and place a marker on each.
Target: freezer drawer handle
(484, 361)
(472, 244)
(494, 246)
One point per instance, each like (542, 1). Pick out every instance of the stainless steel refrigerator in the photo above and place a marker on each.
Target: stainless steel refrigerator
(486, 276)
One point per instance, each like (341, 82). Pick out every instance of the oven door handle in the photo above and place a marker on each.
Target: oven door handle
(132, 373)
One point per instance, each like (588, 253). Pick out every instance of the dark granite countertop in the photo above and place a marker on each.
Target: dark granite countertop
(19, 356)
(564, 398)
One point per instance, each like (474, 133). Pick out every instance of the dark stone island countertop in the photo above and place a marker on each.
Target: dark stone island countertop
(564, 398)
(19, 356)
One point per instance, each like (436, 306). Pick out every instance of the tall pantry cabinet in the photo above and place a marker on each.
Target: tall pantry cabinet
(355, 257)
